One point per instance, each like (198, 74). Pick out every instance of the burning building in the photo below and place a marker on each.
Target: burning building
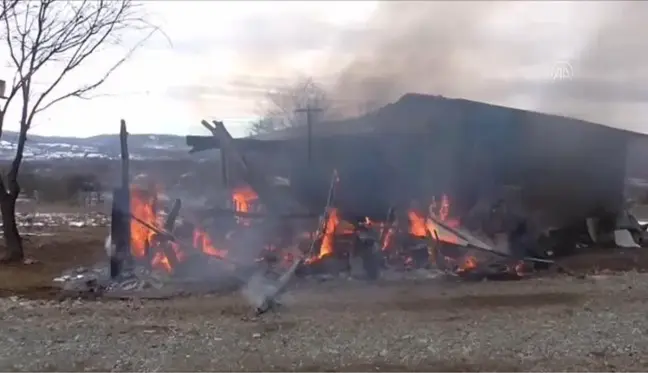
(402, 187)
(423, 146)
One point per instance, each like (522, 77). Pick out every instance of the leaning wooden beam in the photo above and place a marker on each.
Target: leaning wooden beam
(276, 201)
(467, 237)
(161, 242)
(269, 300)
(169, 224)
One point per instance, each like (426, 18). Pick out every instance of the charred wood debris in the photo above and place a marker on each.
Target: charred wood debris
(158, 252)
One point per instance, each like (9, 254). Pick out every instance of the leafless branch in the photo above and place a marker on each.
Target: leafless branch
(6, 7)
(54, 38)
(281, 103)
(81, 91)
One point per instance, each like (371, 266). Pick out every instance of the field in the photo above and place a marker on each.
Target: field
(552, 322)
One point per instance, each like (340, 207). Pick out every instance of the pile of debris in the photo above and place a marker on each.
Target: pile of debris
(260, 239)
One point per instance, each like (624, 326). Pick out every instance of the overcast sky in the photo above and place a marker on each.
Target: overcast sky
(581, 59)
(223, 56)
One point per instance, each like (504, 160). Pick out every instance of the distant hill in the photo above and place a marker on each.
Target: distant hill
(141, 146)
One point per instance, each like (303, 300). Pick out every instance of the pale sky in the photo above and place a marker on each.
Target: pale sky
(204, 73)
(224, 55)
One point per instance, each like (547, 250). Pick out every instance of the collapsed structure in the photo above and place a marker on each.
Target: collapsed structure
(557, 169)
(465, 187)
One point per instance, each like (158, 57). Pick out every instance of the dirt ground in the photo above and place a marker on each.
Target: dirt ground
(554, 322)
(53, 252)
(63, 248)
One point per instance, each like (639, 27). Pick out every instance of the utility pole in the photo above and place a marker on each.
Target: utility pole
(309, 110)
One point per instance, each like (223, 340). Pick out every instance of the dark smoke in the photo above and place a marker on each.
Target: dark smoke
(505, 53)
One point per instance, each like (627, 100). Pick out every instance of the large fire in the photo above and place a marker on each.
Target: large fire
(146, 246)
(163, 254)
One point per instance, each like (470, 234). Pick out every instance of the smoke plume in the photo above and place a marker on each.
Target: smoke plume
(583, 59)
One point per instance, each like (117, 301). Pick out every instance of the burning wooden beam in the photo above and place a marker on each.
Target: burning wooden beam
(162, 241)
(270, 299)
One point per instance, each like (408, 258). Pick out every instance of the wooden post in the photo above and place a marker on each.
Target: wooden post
(125, 167)
(121, 211)
(125, 185)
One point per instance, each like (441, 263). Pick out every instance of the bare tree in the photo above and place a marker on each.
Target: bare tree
(264, 125)
(46, 41)
(280, 105)
(6, 7)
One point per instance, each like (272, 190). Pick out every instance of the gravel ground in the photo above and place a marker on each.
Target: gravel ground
(544, 324)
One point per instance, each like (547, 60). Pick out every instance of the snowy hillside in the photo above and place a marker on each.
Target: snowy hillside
(102, 146)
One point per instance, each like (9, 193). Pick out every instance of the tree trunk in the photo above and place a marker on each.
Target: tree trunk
(10, 229)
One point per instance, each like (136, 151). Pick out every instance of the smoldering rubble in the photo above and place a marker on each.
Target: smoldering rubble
(502, 53)
(263, 241)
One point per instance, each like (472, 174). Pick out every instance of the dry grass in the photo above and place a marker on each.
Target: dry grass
(53, 254)
(59, 249)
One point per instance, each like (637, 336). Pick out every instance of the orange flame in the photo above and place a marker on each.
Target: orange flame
(243, 197)
(329, 233)
(417, 224)
(203, 242)
(421, 226)
(143, 206)
(468, 264)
